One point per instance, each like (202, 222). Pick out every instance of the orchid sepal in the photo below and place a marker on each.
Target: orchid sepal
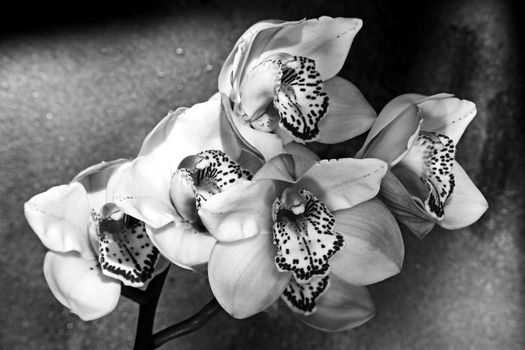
(240, 212)
(342, 307)
(79, 285)
(374, 248)
(243, 276)
(405, 209)
(60, 218)
(349, 114)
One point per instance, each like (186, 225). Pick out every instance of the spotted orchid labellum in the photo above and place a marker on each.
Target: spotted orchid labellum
(281, 80)
(417, 137)
(308, 240)
(93, 246)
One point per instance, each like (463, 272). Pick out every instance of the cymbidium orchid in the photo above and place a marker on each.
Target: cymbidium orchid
(417, 136)
(146, 189)
(186, 159)
(93, 246)
(307, 231)
(281, 79)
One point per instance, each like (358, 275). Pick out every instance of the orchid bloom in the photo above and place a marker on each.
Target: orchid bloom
(307, 231)
(156, 190)
(417, 136)
(93, 246)
(281, 79)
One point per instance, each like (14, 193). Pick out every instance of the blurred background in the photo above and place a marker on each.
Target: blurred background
(85, 82)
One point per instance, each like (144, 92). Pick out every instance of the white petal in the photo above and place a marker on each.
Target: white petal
(99, 181)
(143, 191)
(79, 285)
(60, 218)
(258, 88)
(182, 243)
(389, 113)
(161, 132)
(343, 183)
(182, 134)
(343, 306)
(349, 113)
(241, 211)
(393, 142)
(236, 61)
(373, 249)
(445, 115)
(466, 204)
(268, 145)
(243, 276)
(182, 194)
(326, 40)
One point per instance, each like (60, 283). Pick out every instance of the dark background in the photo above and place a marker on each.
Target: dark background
(85, 82)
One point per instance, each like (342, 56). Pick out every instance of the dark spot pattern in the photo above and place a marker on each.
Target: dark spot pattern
(300, 99)
(439, 179)
(214, 173)
(126, 253)
(305, 241)
(301, 297)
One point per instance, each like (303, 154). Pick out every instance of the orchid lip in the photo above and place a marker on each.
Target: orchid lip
(296, 88)
(125, 251)
(305, 238)
(208, 173)
(431, 158)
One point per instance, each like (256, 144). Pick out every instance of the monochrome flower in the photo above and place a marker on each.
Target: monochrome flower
(295, 228)
(281, 79)
(93, 246)
(417, 137)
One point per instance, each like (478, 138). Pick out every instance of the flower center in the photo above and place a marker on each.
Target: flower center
(125, 251)
(432, 159)
(296, 87)
(304, 234)
(210, 172)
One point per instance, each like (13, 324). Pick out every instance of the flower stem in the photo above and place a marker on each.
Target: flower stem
(148, 301)
(187, 326)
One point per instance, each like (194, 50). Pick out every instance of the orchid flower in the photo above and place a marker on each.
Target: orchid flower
(144, 188)
(417, 136)
(93, 246)
(281, 79)
(153, 189)
(307, 231)
(174, 173)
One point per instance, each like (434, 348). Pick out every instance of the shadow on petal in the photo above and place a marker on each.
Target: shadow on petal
(349, 114)
(343, 306)
(373, 249)
(447, 115)
(343, 183)
(466, 204)
(182, 243)
(80, 285)
(60, 218)
(285, 167)
(243, 275)
(242, 211)
(403, 206)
